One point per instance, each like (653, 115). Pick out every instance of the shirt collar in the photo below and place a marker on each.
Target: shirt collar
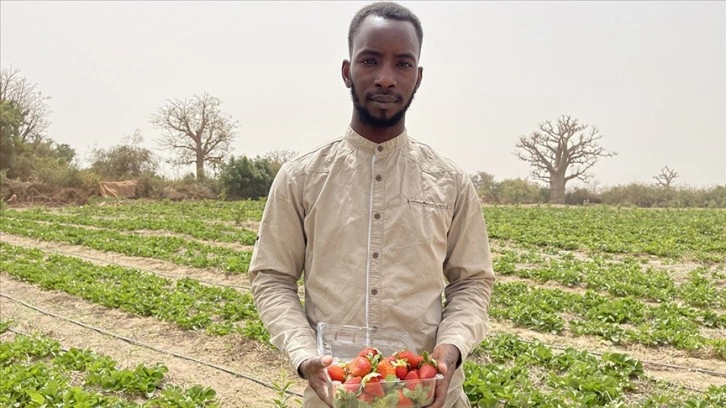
(380, 149)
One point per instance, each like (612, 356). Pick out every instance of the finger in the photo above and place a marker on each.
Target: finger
(326, 360)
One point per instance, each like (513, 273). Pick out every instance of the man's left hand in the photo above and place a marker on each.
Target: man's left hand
(446, 355)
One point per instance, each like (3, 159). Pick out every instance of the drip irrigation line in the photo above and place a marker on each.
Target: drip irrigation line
(150, 347)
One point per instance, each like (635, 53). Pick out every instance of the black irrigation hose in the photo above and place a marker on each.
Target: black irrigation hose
(150, 347)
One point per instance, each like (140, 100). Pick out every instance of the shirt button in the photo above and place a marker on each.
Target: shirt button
(378, 177)
(374, 291)
(380, 148)
(375, 254)
(377, 216)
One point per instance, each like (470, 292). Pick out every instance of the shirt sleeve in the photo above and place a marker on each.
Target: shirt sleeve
(277, 265)
(469, 273)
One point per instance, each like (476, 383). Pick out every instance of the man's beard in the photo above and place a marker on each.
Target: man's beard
(380, 123)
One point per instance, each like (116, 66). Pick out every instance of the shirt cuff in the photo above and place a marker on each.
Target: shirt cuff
(299, 349)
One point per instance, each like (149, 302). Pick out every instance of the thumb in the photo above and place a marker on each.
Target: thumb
(326, 360)
(443, 367)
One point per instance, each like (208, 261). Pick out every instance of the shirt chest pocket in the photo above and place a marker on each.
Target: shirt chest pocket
(421, 221)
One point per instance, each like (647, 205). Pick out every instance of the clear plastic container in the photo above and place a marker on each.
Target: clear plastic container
(344, 342)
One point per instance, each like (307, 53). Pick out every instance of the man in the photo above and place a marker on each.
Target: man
(381, 225)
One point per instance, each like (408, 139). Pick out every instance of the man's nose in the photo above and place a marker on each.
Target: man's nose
(386, 77)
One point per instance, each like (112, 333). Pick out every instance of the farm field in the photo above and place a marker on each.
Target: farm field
(139, 303)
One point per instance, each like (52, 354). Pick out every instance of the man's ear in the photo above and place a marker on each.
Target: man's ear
(420, 78)
(345, 72)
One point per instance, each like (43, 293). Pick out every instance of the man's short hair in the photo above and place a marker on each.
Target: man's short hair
(387, 10)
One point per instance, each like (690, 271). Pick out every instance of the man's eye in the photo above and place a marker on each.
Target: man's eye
(368, 61)
(405, 64)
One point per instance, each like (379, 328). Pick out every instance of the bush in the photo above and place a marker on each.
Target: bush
(244, 178)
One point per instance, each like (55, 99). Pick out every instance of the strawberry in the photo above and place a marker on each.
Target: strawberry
(359, 367)
(386, 369)
(373, 387)
(336, 372)
(400, 367)
(366, 398)
(428, 367)
(403, 400)
(369, 352)
(352, 384)
(412, 379)
(416, 360)
(410, 357)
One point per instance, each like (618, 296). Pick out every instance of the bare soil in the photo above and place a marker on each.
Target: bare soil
(257, 366)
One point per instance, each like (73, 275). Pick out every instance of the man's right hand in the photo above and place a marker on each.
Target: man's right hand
(313, 370)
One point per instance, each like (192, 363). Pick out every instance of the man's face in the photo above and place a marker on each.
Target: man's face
(383, 73)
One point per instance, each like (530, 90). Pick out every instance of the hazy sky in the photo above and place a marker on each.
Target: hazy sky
(650, 75)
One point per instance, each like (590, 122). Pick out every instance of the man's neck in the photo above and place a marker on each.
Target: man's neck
(377, 135)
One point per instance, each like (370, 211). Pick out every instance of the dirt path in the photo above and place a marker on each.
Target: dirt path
(257, 362)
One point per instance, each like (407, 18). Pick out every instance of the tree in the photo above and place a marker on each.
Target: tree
(279, 156)
(196, 130)
(126, 161)
(30, 103)
(560, 152)
(666, 177)
(10, 121)
(244, 178)
(484, 185)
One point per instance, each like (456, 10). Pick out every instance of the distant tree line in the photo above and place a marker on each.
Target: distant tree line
(195, 131)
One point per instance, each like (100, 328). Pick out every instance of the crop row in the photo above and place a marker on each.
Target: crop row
(195, 227)
(37, 373)
(509, 372)
(211, 210)
(185, 302)
(619, 320)
(690, 233)
(627, 277)
(169, 248)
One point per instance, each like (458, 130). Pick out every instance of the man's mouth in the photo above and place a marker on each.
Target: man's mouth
(384, 98)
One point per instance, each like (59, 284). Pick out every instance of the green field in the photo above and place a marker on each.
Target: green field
(593, 306)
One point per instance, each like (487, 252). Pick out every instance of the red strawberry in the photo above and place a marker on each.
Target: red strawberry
(412, 379)
(336, 372)
(367, 398)
(403, 400)
(352, 384)
(428, 367)
(372, 386)
(415, 361)
(369, 352)
(401, 368)
(408, 356)
(359, 367)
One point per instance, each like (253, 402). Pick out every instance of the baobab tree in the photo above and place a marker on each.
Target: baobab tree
(196, 130)
(666, 177)
(561, 151)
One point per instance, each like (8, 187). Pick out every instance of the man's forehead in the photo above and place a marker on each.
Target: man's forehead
(384, 30)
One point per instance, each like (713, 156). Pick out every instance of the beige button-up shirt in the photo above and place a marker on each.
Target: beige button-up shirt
(381, 231)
